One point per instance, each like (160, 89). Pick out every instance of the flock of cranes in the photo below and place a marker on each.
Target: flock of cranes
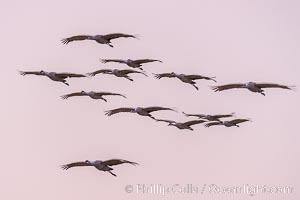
(207, 120)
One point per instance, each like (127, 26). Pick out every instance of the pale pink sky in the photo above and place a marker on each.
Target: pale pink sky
(234, 40)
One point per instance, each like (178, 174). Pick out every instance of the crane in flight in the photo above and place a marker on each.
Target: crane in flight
(54, 76)
(190, 79)
(251, 86)
(116, 72)
(92, 94)
(101, 39)
(105, 166)
(131, 63)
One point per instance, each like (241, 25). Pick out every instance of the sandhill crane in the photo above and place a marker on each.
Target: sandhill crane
(185, 125)
(101, 39)
(251, 86)
(130, 62)
(100, 165)
(139, 110)
(60, 77)
(184, 78)
(209, 117)
(227, 123)
(92, 94)
(119, 73)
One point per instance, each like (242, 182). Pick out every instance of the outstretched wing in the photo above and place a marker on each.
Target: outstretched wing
(118, 110)
(141, 61)
(223, 116)
(156, 108)
(194, 115)
(74, 38)
(23, 73)
(101, 71)
(193, 122)
(118, 35)
(72, 95)
(112, 60)
(213, 124)
(273, 85)
(163, 75)
(195, 77)
(165, 120)
(75, 164)
(110, 94)
(118, 162)
(130, 71)
(237, 121)
(69, 75)
(227, 87)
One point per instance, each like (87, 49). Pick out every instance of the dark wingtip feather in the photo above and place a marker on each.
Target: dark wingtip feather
(206, 125)
(89, 75)
(65, 41)
(292, 87)
(64, 96)
(187, 115)
(157, 76)
(137, 36)
(134, 163)
(108, 113)
(103, 60)
(213, 79)
(64, 167)
(214, 88)
(21, 73)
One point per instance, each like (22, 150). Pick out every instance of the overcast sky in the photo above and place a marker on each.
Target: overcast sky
(235, 40)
